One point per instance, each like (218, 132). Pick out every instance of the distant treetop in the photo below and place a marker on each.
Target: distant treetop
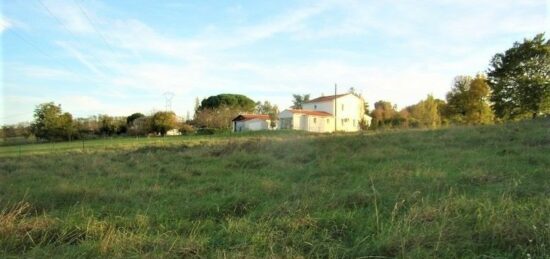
(228, 100)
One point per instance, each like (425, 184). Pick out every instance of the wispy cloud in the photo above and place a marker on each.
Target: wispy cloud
(393, 51)
(4, 24)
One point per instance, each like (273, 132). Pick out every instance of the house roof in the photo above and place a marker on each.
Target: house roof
(325, 98)
(246, 117)
(310, 112)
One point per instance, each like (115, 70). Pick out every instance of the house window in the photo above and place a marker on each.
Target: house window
(328, 121)
(315, 106)
(354, 124)
(342, 107)
(314, 120)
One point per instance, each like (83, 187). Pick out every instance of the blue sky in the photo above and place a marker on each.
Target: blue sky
(119, 57)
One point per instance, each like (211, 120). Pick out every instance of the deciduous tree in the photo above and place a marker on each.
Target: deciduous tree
(299, 100)
(520, 79)
(382, 114)
(162, 122)
(467, 102)
(51, 123)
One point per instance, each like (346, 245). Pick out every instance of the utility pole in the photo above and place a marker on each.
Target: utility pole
(335, 109)
(168, 96)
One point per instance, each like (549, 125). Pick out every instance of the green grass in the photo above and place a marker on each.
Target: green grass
(457, 192)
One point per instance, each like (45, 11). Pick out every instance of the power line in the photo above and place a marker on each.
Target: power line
(28, 42)
(67, 29)
(93, 25)
(55, 17)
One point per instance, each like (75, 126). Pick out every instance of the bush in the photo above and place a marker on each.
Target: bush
(186, 129)
(211, 131)
(206, 131)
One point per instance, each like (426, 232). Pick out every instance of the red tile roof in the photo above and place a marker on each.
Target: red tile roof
(325, 98)
(246, 117)
(310, 112)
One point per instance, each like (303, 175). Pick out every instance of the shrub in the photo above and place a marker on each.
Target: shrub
(186, 129)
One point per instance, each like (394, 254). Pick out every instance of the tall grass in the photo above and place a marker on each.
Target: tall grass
(457, 192)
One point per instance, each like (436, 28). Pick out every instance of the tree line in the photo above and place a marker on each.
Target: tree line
(516, 86)
(213, 114)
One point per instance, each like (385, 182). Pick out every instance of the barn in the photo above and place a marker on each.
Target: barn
(251, 122)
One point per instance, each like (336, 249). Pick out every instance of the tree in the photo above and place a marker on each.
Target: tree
(130, 119)
(141, 126)
(267, 108)
(220, 118)
(382, 114)
(520, 79)
(241, 102)
(299, 100)
(51, 123)
(354, 91)
(218, 111)
(162, 122)
(14, 131)
(107, 125)
(186, 129)
(8, 131)
(426, 113)
(467, 102)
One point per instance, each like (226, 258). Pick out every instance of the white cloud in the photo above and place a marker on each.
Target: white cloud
(42, 73)
(69, 15)
(440, 45)
(4, 24)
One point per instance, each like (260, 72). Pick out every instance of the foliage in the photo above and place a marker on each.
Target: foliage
(141, 126)
(232, 101)
(51, 123)
(220, 118)
(15, 131)
(162, 122)
(109, 126)
(218, 111)
(299, 100)
(426, 113)
(267, 108)
(130, 119)
(467, 102)
(363, 124)
(464, 192)
(520, 79)
(186, 129)
(383, 114)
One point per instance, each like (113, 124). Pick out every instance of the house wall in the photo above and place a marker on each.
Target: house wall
(173, 132)
(347, 118)
(350, 111)
(251, 125)
(327, 106)
(320, 124)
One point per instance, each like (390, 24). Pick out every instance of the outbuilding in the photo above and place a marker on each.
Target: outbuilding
(251, 122)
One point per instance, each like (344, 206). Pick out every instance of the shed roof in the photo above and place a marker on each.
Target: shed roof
(246, 117)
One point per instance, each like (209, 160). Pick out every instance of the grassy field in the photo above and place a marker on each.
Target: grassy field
(457, 192)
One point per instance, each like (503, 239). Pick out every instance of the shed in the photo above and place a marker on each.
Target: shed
(251, 122)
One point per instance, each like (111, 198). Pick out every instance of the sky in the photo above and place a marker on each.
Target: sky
(120, 57)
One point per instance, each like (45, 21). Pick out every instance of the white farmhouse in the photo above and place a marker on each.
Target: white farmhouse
(251, 122)
(326, 114)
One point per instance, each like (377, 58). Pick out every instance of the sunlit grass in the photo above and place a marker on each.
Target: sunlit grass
(457, 192)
